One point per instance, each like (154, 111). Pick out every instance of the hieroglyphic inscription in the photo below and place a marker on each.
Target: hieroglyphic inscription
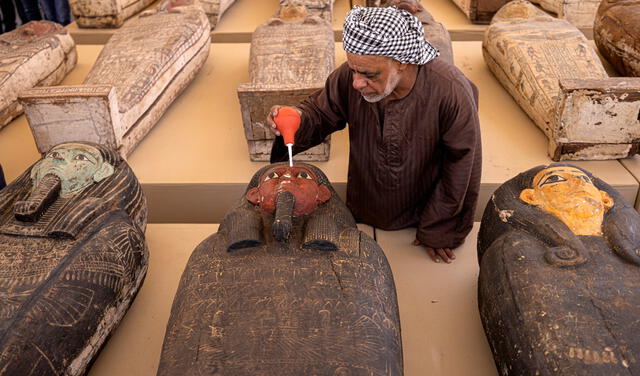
(291, 57)
(37, 53)
(580, 13)
(71, 269)
(105, 13)
(148, 62)
(535, 56)
(617, 34)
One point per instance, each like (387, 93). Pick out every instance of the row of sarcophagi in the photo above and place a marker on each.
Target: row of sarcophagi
(289, 285)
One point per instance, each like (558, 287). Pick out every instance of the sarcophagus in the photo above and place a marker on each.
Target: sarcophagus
(480, 11)
(287, 286)
(291, 57)
(139, 73)
(214, 9)
(35, 54)
(559, 284)
(579, 13)
(105, 13)
(554, 74)
(72, 257)
(617, 34)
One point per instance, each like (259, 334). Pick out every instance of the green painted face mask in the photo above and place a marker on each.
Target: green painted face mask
(77, 166)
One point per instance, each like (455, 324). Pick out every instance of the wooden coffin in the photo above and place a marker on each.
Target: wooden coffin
(291, 56)
(554, 74)
(105, 13)
(214, 9)
(480, 11)
(321, 301)
(617, 34)
(554, 301)
(138, 74)
(579, 13)
(72, 258)
(38, 53)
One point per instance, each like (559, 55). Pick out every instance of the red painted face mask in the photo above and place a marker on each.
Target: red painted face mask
(298, 180)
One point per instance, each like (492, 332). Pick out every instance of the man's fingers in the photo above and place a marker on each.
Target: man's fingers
(443, 255)
(432, 253)
(416, 242)
(450, 253)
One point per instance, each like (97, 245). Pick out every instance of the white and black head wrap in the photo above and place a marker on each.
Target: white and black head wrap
(390, 32)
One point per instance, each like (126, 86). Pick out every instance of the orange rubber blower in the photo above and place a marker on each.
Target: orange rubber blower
(287, 123)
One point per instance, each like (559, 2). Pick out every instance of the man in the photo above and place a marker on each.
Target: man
(414, 134)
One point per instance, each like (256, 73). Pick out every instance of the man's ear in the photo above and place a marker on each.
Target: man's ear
(607, 201)
(253, 196)
(324, 194)
(529, 196)
(103, 172)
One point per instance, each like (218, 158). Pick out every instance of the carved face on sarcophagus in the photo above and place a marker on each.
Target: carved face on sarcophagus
(255, 299)
(72, 257)
(558, 287)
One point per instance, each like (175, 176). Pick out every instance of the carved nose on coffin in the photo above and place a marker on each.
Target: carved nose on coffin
(281, 227)
(42, 196)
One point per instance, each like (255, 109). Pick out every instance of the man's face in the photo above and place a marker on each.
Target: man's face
(76, 165)
(298, 180)
(375, 77)
(567, 193)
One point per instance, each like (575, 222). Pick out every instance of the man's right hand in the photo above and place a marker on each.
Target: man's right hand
(271, 125)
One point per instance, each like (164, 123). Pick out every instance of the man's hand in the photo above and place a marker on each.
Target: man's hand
(437, 254)
(271, 125)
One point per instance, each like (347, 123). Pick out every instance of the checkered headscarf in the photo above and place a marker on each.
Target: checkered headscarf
(390, 32)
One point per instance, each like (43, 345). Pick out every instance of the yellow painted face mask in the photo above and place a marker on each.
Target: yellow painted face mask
(568, 193)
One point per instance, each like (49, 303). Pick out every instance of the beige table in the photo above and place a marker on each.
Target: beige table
(441, 330)
(195, 163)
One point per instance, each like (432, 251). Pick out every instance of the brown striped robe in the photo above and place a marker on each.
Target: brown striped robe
(412, 161)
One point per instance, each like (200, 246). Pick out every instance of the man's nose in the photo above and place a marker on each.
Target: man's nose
(359, 83)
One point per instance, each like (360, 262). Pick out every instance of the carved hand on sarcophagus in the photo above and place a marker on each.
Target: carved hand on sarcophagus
(284, 196)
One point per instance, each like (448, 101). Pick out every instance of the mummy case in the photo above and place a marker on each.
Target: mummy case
(105, 13)
(617, 34)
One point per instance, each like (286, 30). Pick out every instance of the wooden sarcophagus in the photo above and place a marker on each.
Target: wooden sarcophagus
(559, 284)
(480, 11)
(287, 286)
(554, 74)
(616, 32)
(38, 53)
(291, 57)
(138, 74)
(579, 13)
(214, 9)
(72, 258)
(105, 13)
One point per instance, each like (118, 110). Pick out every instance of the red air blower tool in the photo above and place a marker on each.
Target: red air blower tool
(287, 123)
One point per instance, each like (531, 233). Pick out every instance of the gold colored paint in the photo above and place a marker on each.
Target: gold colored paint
(568, 194)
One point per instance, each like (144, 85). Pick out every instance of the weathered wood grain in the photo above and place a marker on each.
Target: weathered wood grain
(617, 34)
(72, 258)
(553, 302)
(138, 74)
(39, 53)
(322, 302)
(538, 59)
(105, 13)
(579, 13)
(291, 56)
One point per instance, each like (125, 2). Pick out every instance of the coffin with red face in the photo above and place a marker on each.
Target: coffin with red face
(288, 286)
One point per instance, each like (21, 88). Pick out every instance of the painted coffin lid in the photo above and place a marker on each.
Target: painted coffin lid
(291, 57)
(558, 287)
(140, 71)
(321, 301)
(617, 34)
(105, 13)
(580, 13)
(554, 74)
(35, 54)
(72, 257)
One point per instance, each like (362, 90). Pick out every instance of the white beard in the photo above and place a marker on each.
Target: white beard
(391, 86)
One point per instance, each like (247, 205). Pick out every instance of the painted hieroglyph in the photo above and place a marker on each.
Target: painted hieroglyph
(72, 258)
(39, 53)
(139, 73)
(554, 74)
(105, 13)
(291, 57)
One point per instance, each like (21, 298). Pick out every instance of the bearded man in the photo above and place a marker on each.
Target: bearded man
(414, 134)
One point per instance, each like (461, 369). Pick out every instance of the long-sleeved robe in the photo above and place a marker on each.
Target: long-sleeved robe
(412, 161)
